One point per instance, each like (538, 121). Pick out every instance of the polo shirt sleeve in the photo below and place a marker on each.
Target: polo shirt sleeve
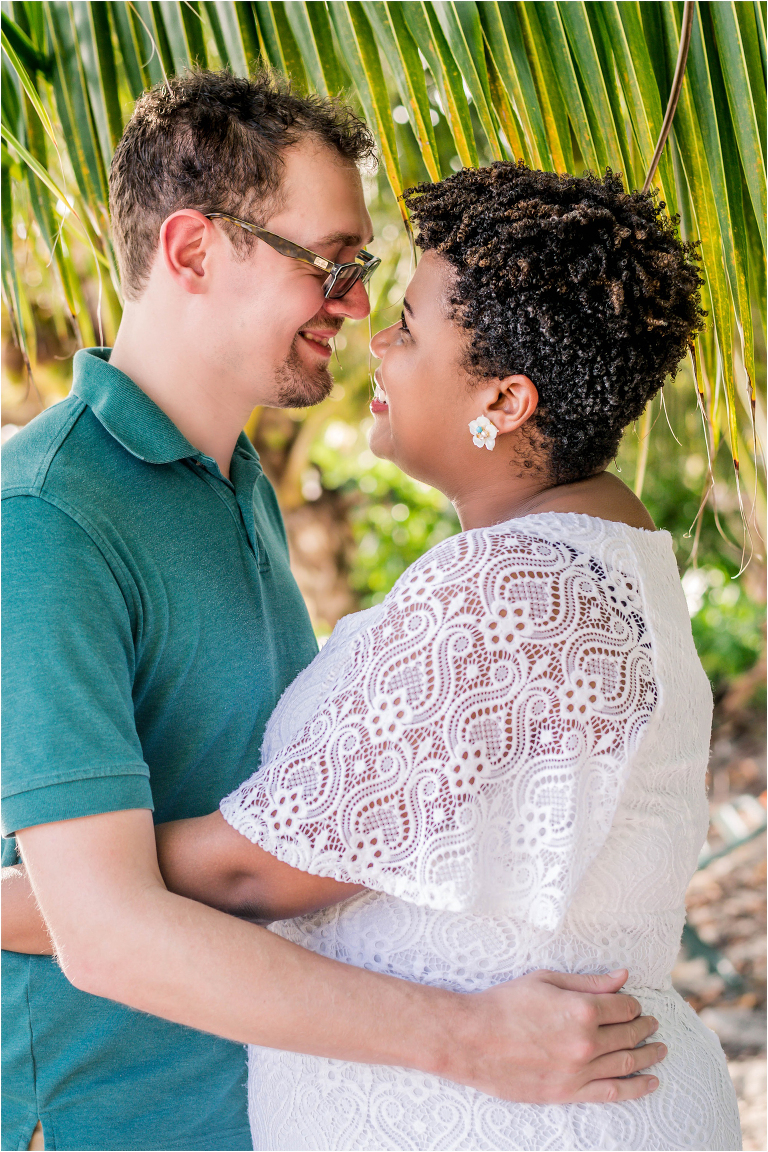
(70, 743)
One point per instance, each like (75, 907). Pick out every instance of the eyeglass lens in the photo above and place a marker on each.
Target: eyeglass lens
(345, 278)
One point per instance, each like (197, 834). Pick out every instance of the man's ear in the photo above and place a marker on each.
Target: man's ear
(186, 238)
(516, 401)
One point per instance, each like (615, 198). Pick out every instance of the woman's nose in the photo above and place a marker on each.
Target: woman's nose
(381, 341)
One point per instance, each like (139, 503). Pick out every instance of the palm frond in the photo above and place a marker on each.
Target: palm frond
(566, 86)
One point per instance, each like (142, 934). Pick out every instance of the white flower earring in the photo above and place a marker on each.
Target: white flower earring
(484, 433)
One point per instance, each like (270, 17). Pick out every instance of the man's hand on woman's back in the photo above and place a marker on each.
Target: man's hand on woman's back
(556, 1038)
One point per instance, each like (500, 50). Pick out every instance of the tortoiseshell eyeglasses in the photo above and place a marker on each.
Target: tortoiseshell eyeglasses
(340, 278)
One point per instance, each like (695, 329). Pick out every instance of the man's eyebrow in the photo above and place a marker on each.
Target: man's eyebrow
(345, 239)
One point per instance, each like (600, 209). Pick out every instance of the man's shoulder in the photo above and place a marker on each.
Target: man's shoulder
(28, 457)
(65, 457)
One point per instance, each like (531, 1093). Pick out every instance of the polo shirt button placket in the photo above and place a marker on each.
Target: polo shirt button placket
(255, 544)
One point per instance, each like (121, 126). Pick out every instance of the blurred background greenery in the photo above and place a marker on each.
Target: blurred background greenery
(355, 523)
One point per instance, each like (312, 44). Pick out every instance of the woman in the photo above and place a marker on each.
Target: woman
(501, 767)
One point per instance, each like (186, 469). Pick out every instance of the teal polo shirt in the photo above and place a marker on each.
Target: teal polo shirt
(150, 625)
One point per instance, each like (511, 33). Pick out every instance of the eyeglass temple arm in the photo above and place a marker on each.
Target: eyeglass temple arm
(279, 243)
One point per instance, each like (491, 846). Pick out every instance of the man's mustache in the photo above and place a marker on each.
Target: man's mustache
(323, 320)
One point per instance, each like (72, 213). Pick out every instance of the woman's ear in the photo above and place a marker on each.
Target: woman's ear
(516, 402)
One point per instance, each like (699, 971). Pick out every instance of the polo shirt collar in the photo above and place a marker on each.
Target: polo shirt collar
(126, 412)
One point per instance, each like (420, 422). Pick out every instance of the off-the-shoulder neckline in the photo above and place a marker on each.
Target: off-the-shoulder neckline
(656, 532)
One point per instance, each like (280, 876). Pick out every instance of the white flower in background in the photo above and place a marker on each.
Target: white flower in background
(483, 433)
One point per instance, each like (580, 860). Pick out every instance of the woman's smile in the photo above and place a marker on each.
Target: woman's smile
(379, 402)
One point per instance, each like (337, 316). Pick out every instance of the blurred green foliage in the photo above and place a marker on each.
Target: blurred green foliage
(394, 519)
(728, 626)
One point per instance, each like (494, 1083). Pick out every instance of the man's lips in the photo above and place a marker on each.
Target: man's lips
(319, 340)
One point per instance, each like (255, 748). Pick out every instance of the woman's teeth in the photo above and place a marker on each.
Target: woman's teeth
(379, 395)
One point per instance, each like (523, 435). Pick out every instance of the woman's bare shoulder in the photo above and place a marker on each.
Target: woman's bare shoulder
(604, 495)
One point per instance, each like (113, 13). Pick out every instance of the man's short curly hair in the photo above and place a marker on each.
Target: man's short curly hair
(572, 281)
(215, 142)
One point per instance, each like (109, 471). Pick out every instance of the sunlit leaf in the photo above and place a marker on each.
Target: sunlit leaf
(362, 55)
(695, 160)
(322, 33)
(192, 22)
(210, 7)
(161, 36)
(33, 59)
(743, 110)
(464, 36)
(249, 33)
(563, 85)
(505, 40)
(550, 101)
(416, 94)
(105, 54)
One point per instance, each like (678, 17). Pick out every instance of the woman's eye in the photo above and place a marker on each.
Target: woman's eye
(403, 326)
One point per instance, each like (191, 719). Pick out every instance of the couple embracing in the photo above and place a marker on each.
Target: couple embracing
(471, 819)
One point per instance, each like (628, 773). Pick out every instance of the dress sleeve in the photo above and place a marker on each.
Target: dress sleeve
(473, 750)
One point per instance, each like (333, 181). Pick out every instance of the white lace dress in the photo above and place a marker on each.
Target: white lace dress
(509, 753)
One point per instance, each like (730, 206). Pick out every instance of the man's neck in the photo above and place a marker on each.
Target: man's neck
(186, 385)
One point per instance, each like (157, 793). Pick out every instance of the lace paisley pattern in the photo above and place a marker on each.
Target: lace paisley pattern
(509, 753)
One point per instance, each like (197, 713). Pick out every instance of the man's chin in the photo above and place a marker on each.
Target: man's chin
(300, 386)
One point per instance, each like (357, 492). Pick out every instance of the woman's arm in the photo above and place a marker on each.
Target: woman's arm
(206, 860)
(23, 926)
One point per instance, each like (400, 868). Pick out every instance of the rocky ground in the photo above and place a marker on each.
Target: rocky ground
(723, 973)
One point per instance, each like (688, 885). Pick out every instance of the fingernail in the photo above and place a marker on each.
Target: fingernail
(662, 1051)
(617, 972)
(653, 1084)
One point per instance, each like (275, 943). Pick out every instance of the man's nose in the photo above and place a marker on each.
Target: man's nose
(355, 304)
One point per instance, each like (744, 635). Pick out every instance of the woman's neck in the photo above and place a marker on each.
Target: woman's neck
(603, 495)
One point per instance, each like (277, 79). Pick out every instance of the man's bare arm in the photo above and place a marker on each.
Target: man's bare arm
(204, 859)
(119, 933)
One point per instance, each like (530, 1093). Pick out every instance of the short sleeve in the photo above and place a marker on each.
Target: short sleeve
(473, 751)
(70, 746)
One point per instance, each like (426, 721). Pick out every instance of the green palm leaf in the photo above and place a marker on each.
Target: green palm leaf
(194, 37)
(413, 86)
(554, 115)
(334, 76)
(564, 85)
(741, 101)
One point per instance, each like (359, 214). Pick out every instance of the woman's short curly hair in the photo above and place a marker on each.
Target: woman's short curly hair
(572, 281)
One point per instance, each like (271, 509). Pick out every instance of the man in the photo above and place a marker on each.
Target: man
(152, 624)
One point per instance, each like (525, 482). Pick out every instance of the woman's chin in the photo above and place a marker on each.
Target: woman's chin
(382, 445)
(380, 439)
